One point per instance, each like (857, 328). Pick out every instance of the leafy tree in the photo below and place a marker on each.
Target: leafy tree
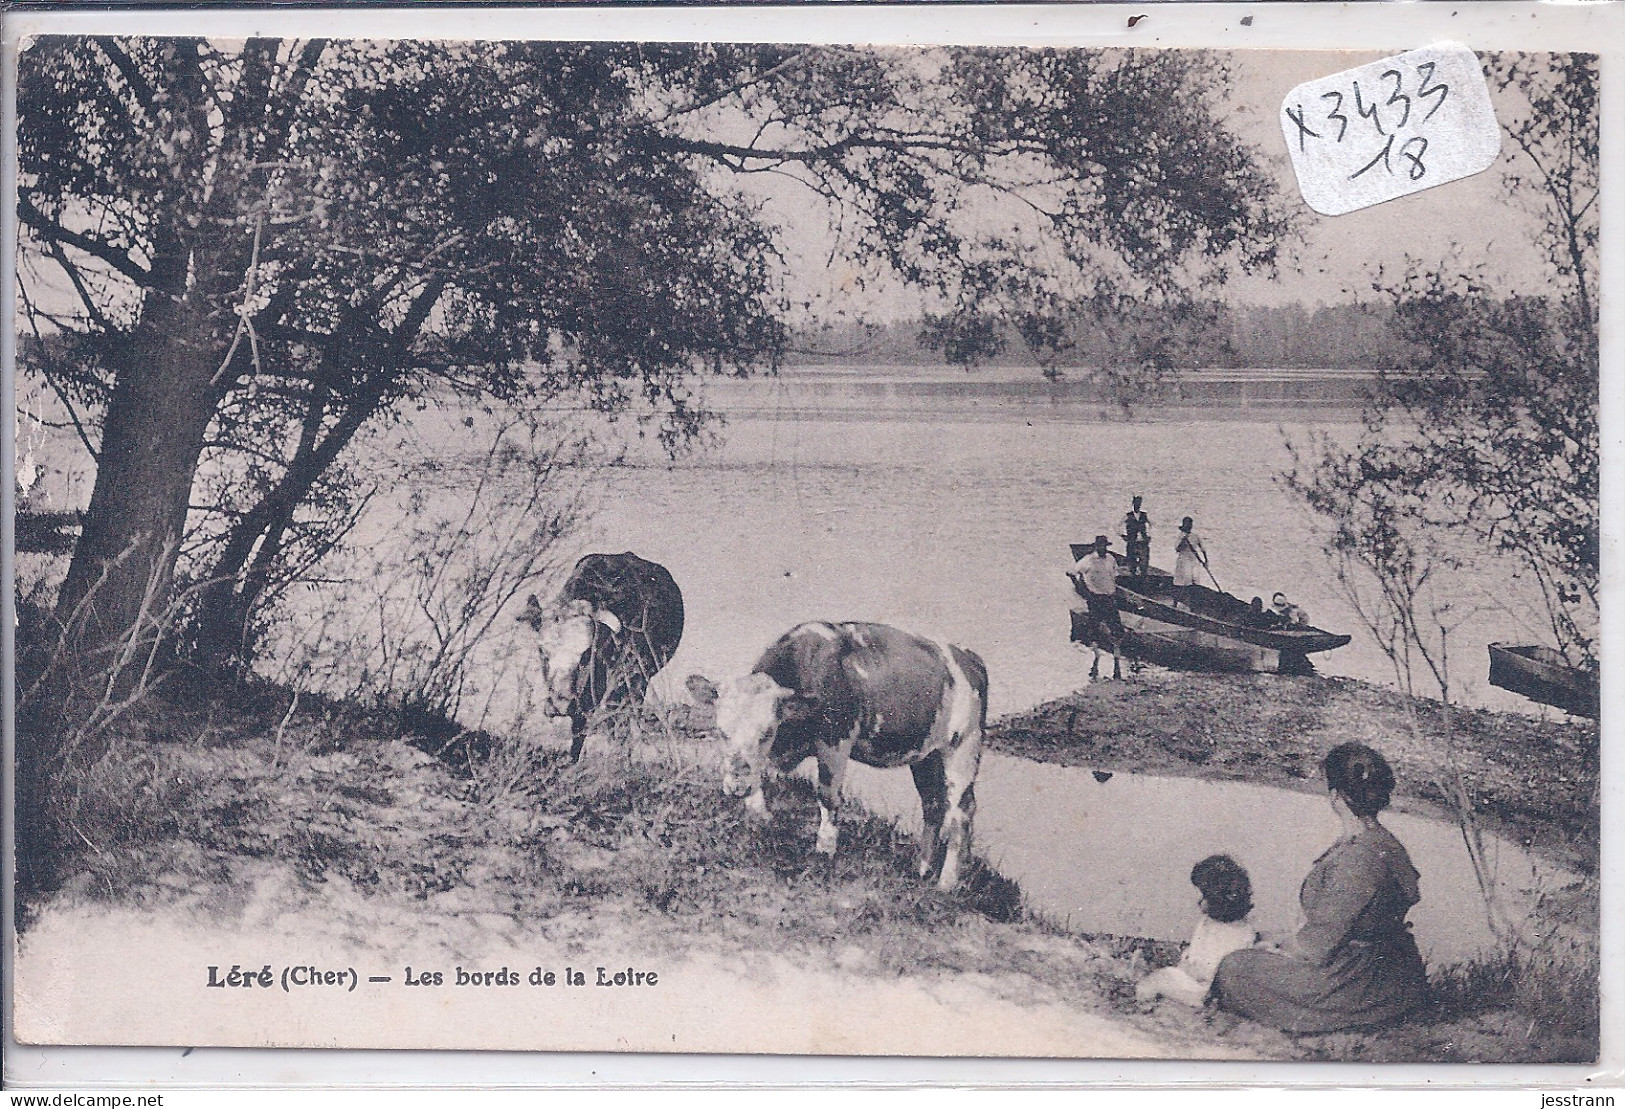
(313, 234)
(1481, 438)
(275, 246)
(1405, 589)
(1486, 427)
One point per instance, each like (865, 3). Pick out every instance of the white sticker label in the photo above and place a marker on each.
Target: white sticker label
(1393, 127)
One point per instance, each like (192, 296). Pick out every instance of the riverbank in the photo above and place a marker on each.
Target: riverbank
(227, 832)
(228, 829)
(1533, 781)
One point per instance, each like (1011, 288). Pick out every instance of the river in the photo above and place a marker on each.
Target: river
(957, 523)
(1115, 856)
(952, 517)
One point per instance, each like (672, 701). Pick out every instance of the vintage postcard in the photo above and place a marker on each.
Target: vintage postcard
(860, 533)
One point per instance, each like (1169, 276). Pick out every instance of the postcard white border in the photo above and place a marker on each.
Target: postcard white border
(1595, 27)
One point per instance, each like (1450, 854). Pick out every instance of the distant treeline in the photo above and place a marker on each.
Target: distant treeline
(1218, 336)
(1342, 336)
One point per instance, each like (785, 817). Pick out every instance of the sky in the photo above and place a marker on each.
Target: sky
(1341, 255)
(1338, 258)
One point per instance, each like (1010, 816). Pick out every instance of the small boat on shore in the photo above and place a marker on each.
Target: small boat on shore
(1542, 674)
(1190, 649)
(1217, 631)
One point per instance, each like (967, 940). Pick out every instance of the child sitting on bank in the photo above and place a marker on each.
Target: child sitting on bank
(1227, 898)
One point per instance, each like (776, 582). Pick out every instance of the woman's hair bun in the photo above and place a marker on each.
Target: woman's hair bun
(1361, 776)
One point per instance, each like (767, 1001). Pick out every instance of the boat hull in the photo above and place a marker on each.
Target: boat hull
(1295, 641)
(1541, 674)
(1219, 616)
(1183, 648)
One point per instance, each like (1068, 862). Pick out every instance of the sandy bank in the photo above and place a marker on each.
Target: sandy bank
(332, 843)
(77, 984)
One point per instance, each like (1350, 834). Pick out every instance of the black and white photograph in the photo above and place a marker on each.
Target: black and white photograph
(839, 545)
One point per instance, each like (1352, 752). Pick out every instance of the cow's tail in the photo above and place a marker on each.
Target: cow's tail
(975, 671)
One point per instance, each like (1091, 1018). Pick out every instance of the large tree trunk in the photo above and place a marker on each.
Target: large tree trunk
(112, 611)
(118, 584)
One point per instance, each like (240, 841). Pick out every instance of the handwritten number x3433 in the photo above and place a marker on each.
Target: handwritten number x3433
(1413, 148)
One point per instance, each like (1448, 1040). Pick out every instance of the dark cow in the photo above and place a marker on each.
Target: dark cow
(872, 693)
(616, 622)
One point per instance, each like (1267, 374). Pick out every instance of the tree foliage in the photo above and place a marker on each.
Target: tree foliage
(274, 245)
(1486, 427)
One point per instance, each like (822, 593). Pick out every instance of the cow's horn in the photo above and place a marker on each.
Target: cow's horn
(607, 618)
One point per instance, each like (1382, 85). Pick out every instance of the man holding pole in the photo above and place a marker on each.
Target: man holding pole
(1188, 555)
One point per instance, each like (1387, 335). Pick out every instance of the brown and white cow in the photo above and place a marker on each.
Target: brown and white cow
(868, 692)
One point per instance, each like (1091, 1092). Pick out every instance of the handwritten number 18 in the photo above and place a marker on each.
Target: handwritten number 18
(1411, 150)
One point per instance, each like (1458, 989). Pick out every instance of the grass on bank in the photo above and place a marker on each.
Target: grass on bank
(204, 786)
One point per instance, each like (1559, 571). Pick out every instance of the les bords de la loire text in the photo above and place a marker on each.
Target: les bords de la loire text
(303, 976)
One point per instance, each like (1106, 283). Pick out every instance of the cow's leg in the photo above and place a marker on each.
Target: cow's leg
(933, 790)
(959, 773)
(636, 681)
(831, 777)
(1094, 668)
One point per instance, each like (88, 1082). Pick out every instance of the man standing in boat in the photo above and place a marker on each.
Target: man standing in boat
(1188, 555)
(1097, 573)
(1137, 538)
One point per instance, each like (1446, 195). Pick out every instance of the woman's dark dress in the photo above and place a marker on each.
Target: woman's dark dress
(1356, 963)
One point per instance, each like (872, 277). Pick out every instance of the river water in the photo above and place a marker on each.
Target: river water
(1115, 856)
(958, 525)
(954, 520)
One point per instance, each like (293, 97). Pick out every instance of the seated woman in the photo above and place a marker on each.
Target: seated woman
(1354, 963)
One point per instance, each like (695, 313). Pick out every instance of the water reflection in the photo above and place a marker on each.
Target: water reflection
(1115, 856)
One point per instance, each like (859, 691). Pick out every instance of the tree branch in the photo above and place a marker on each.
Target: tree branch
(56, 387)
(77, 280)
(737, 156)
(242, 311)
(737, 87)
(133, 77)
(55, 232)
